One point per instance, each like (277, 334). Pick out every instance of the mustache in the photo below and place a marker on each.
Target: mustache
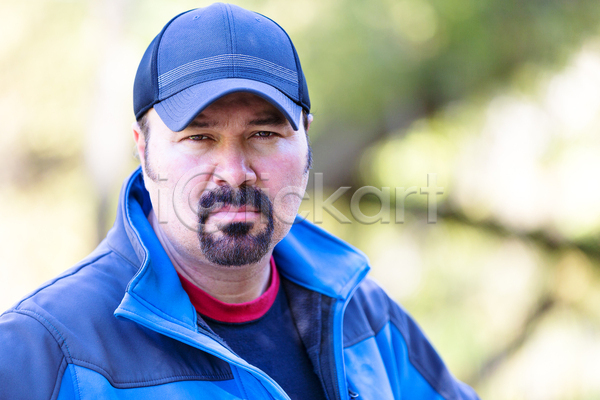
(227, 196)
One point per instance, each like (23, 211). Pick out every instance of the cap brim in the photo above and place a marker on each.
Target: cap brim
(180, 109)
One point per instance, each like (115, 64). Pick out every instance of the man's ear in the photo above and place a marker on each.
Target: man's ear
(140, 141)
(310, 120)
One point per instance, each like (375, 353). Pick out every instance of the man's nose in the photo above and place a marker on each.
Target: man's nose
(234, 168)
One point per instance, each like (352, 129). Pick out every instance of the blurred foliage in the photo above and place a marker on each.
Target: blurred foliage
(428, 53)
(500, 99)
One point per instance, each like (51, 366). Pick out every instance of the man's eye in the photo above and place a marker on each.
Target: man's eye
(264, 134)
(197, 137)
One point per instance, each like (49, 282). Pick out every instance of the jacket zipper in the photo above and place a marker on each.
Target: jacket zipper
(338, 356)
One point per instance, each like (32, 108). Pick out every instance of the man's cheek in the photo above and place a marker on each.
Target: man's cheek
(183, 197)
(286, 203)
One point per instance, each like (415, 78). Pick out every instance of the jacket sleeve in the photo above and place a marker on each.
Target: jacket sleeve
(424, 358)
(382, 337)
(31, 361)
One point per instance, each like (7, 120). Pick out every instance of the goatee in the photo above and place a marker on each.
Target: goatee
(236, 245)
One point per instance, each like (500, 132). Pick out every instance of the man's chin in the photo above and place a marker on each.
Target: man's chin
(236, 244)
(235, 251)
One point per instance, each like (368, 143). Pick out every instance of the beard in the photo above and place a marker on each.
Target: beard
(233, 244)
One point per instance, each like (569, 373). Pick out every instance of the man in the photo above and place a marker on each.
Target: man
(201, 289)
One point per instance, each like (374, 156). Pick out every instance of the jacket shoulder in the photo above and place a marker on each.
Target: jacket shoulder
(77, 311)
(86, 291)
(55, 325)
(372, 313)
(32, 357)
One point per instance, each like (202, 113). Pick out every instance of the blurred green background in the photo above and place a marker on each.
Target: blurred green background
(499, 98)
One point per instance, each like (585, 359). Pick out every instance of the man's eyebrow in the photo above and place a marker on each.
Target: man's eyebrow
(268, 119)
(271, 119)
(200, 122)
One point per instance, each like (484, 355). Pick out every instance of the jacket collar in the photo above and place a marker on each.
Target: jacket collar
(308, 256)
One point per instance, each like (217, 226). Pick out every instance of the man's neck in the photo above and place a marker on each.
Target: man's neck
(229, 284)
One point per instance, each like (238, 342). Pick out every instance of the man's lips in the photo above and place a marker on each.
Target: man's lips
(235, 214)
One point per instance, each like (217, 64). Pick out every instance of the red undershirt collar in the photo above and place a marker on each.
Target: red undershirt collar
(215, 309)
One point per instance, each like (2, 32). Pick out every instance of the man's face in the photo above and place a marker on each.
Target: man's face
(226, 188)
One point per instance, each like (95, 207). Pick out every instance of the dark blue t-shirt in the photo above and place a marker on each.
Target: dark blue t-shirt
(273, 344)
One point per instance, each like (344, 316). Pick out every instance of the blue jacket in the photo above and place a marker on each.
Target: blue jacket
(119, 326)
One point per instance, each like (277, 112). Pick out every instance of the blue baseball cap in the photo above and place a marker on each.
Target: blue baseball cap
(204, 54)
